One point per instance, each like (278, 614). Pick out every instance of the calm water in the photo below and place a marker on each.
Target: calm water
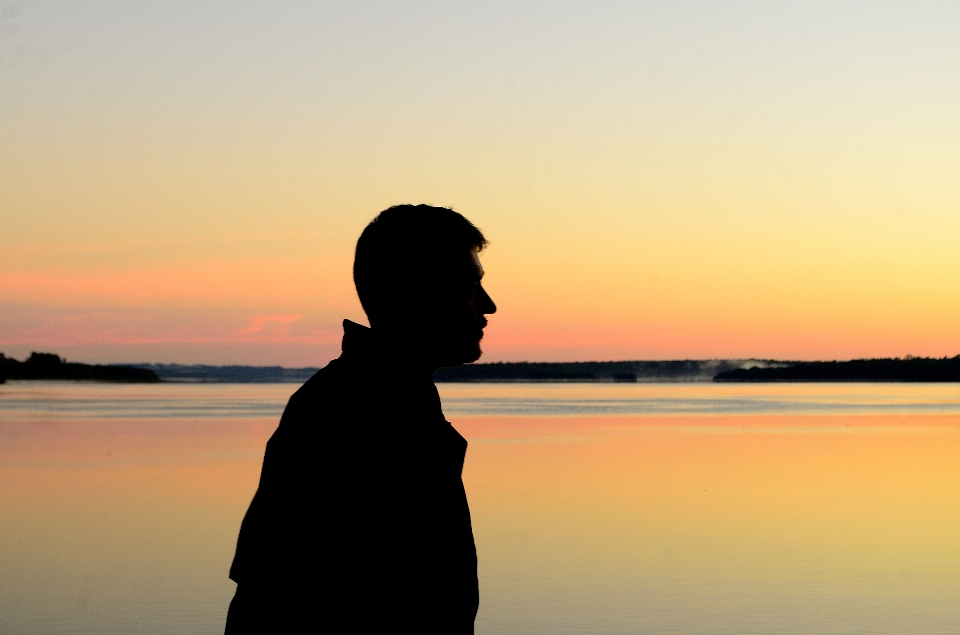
(598, 508)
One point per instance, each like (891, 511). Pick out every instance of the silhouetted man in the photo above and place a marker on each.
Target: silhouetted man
(360, 523)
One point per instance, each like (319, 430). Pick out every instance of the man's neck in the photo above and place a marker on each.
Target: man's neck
(405, 354)
(409, 355)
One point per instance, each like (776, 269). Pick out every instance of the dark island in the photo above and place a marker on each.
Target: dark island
(625, 371)
(233, 374)
(50, 366)
(908, 369)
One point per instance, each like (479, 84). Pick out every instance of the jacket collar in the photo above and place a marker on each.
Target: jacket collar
(367, 352)
(365, 346)
(359, 340)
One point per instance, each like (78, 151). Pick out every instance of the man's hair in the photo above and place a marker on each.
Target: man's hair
(406, 248)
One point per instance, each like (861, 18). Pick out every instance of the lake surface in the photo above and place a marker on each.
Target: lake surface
(598, 508)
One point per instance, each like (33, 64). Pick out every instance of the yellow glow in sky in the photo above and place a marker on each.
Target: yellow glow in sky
(658, 180)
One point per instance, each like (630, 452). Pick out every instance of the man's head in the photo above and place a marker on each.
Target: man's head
(418, 275)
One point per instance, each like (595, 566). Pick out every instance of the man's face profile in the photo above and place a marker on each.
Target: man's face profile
(453, 318)
(475, 304)
(419, 278)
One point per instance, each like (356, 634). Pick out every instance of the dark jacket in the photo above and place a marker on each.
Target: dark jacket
(360, 523)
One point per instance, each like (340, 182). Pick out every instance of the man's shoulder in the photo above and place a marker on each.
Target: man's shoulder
(325, 384)
(337, 385)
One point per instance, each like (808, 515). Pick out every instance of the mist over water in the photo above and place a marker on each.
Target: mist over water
(597, 508)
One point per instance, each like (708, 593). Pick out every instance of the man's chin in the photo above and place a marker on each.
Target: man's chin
(464, 354)
(474, 354)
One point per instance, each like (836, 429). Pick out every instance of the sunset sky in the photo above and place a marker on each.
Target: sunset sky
(185, 181)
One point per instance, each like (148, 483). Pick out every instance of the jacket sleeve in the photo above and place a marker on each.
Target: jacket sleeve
(271, 540)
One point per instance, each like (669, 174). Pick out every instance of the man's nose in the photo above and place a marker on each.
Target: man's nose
(486, 303)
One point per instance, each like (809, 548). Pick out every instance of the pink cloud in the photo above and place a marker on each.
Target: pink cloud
(270, 326)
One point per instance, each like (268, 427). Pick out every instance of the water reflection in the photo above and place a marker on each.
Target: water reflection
(839, 513)
(653, 399)
(664, 525)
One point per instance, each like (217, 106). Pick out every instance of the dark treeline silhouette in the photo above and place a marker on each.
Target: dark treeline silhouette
(630, 370)
(677, 370)
(51, 366)
(909, 369)
(204, 373)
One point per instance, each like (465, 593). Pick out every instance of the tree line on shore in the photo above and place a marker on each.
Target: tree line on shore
(51, 366)
(908, 369)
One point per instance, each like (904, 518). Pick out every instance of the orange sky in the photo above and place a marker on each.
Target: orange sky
(179, 183)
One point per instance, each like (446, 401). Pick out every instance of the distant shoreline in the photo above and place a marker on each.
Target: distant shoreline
(909, 369)
(51, 366)
(496, 372)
